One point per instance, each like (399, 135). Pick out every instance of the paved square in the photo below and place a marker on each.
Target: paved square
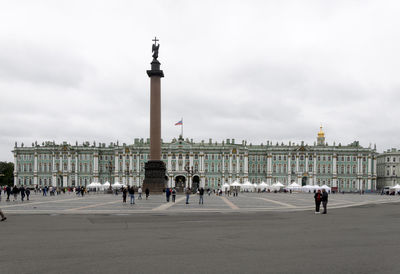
(95, 203)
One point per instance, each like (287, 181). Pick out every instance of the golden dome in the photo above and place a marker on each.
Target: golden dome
(321, 133)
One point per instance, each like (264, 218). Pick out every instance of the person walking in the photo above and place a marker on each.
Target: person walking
(8, 190)
(187, 195)
(27, 192)
(139, 193)
(22, 191)
(124, 191)
(201, 194)
(3, 218)
(132, 195)
(317, 198)
(147, 191)
(15, 192)
(324, 200)
(173, 195)
(167, 194)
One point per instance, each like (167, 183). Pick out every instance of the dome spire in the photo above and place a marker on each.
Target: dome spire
(321, 133)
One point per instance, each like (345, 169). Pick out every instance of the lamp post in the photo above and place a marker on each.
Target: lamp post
(127, 175)
(190, 171)
(110, 170)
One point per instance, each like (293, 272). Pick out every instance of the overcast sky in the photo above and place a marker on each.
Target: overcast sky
(249, 70)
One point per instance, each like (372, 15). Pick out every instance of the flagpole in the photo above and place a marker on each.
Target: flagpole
(182, 128)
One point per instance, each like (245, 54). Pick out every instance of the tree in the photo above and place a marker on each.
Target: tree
(6, 173)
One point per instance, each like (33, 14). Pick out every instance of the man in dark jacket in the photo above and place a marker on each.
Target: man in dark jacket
(167, 194)
(8, 190)
(22, 191)
(15, 192)
(132, 195)
(201, 193)
(317, 198)
(324, 200)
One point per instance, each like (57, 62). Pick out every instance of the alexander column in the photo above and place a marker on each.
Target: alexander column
(155, 179)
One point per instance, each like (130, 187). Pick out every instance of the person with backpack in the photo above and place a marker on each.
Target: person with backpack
(139, 193)
(173, 195)
(132, 195)
(188, 191)
(27, 192)
(201, 194)
(324, 200)
(317, 198)
(124, 192)
(167, 194)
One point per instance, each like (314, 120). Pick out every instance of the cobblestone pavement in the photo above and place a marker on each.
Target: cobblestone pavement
(245, 202)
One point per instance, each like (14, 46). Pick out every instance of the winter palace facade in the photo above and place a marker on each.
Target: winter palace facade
(208, 164)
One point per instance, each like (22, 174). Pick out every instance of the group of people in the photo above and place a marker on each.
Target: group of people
(131, 191)
(321, 197)
(7, 190)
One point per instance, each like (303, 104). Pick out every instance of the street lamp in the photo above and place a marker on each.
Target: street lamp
(190, 171)
(127, 175)
(110, 170)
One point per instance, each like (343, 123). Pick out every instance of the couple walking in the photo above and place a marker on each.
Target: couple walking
(321, 197)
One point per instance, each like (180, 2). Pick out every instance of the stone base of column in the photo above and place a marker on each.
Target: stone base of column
(155, 177)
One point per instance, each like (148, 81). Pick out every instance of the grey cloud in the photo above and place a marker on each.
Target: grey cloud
(39, 64)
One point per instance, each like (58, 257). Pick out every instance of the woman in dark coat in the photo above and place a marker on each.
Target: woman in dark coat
(124, 192)
(317, 198)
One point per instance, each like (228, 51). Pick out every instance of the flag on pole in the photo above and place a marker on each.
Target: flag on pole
(180, 123)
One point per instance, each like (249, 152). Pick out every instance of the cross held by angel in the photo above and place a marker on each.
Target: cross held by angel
(155, 48)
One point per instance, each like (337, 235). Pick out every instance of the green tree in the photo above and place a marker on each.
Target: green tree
(6, 173)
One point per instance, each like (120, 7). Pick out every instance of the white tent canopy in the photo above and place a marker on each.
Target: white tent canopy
(225, 186)
(326, 187)
(236, 183)
(247, 185)
(117, 185)
(396, 187)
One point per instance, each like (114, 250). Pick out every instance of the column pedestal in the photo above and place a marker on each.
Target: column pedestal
(155, 179)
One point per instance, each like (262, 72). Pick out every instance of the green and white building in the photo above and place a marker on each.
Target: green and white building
(388, 168)
(207, 163)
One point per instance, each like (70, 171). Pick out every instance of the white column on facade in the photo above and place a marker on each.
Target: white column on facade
(35, 169)
(169, 164)
(289, 170)
(131, 183)
(315, 169)
(53, 164)
(124, 169)
(95, 167)
(69, 163)
(369, 172)
(269, 168)
(335, 181)
(237, 165)
(359, 182)
(191, 160)
(202, 162)
(15, 168)
(76, 169)
(223, 164)
(230, 163)
(246, 164)
(306, 167)
(116, 166)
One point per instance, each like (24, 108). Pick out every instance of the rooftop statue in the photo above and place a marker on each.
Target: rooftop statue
(155, 48)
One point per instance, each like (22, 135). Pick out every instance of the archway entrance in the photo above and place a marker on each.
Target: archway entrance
(180, 183)
(304, 181)
(195, 183)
